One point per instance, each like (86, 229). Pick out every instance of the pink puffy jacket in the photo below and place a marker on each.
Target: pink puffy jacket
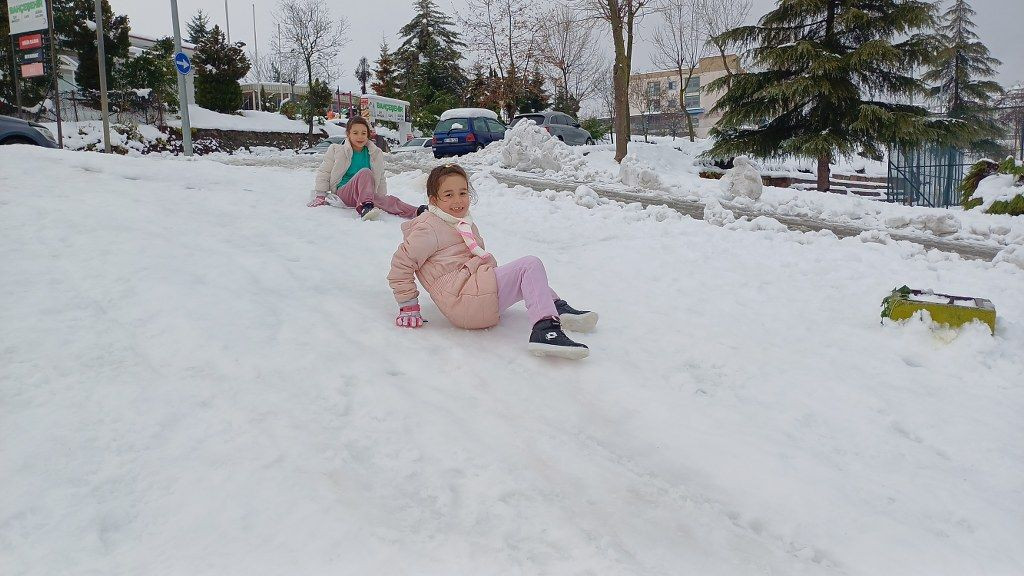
(462, 285)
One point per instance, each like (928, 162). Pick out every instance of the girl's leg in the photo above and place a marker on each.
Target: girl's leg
(526, 279)
(358, 190)
(393, 205)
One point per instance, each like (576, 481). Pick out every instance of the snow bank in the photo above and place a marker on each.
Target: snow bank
(995, 188)
(249, 121)
(742, 180)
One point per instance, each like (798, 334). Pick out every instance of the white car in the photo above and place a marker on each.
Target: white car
(322, 146)
(414, 145)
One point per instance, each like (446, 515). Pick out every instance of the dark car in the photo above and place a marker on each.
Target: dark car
(559, 125)
(461, 135)
(322, 146)
(17, 131)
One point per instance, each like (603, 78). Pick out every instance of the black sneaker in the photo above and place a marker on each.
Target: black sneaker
(368, 211)
(421, 209)
(547, 339)
(575, 320)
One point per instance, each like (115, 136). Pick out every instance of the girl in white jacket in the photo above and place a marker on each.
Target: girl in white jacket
(352, 174)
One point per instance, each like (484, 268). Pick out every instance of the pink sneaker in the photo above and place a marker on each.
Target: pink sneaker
(318, 201)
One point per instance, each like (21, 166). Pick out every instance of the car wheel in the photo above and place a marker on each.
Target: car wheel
(590, 141)
(19, 140)
(479, 147)
(560, 138)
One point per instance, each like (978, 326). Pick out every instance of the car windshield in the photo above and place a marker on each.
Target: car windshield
(452, 124)
(415, 142)
(535, 117)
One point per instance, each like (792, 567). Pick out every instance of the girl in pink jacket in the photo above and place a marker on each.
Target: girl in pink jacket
(444, 249)
(352, 174)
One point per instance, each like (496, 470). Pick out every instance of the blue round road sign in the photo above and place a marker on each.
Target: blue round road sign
(182, 63)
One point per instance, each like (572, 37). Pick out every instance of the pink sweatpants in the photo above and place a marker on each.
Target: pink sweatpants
(526, 279)
(360, 190)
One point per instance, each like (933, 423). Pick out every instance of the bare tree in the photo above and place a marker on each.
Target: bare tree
(504, 32)
(566, 48)
(622, 17)
(605, 83)
(718, 17)
(680, 42)
(642, 96)
(310, 35)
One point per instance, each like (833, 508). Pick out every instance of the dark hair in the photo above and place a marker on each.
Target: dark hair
(358, 120)
(439, 173)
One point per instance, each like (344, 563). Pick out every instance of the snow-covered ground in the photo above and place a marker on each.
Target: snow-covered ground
(200, 375)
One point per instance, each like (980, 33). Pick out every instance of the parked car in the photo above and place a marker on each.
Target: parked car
(464, 130)
(17, 131)
(322, 146)
(559, 125)
(414, 145)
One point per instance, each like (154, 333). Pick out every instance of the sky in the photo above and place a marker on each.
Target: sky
(369, 22)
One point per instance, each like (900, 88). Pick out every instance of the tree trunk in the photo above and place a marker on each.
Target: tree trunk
(620, 74)
(309, 86)
(824, 173)
(725, 63)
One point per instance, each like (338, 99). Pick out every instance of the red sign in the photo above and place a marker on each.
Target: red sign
(32, 70)
(30, 41)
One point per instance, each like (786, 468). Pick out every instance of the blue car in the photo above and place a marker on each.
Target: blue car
(458, 134)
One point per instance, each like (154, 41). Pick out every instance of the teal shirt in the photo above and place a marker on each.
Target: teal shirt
(360, 160)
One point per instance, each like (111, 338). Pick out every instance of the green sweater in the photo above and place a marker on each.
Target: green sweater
(360, 160)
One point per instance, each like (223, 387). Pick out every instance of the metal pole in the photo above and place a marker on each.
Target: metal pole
(186, 125)
(227, 21)
(103, 75)
(56, 73)
(14, 70)
(259, 74)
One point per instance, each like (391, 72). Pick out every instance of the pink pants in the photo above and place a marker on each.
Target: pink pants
(361, 189)
(526, 279)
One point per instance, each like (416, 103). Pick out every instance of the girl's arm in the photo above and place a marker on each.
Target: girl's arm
(322, 182)
(420, 244)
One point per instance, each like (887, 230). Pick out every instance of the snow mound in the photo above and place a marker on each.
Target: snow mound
(528, 148)
(715, 213)
(742, 181)
(468, 113)
(635, 172)
(995, 188)
(1013, 254)
(249, 121)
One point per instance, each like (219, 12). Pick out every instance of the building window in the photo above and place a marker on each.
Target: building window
(656, 105)
(654, 89)
(671, 84)
(692, 101)
(693, 85)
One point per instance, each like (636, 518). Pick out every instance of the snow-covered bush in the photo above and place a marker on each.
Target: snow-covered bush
(994, 188)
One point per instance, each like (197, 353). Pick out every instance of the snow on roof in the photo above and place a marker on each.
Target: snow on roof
(469, 113)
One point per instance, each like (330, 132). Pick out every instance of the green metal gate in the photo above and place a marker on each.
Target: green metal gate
(929, 175)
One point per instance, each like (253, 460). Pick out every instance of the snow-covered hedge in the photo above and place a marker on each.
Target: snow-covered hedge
(994, 188)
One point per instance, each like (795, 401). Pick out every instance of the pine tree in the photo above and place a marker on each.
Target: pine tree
(198, 27)
(476, 87)
(384, 85)
(831, 80)
(154, 69)
(219, 66)
(363, 73)
(956, 71)
(535, 97)
(81, 38)
(428, 72)
(317, 100)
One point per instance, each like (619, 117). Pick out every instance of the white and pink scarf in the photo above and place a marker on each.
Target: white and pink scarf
(464, 226)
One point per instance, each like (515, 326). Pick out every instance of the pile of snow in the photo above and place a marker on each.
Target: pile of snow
(529, 148)
(995, 188)
(132, 139)
(742, 180)
(249, 121)
(468, 113)
(635, 172)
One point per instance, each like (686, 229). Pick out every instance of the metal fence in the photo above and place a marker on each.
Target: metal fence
(129, 107)
(929, 175)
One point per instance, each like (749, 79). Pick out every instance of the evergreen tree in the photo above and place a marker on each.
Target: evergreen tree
(832, 75)
(154, 69)
(317, 100)
(535, 97)
(198, 27)
(428, 72)
(476, 87)
(81, 38)
(363, 73)
(219, 66)
(384, 85)
(956, 72)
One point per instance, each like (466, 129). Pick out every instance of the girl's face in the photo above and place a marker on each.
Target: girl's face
(358, 136)
(453, 195)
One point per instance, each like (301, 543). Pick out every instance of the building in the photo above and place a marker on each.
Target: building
(654, 98)
(68, 63)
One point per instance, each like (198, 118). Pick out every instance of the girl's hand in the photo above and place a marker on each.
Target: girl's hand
(409, 316)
